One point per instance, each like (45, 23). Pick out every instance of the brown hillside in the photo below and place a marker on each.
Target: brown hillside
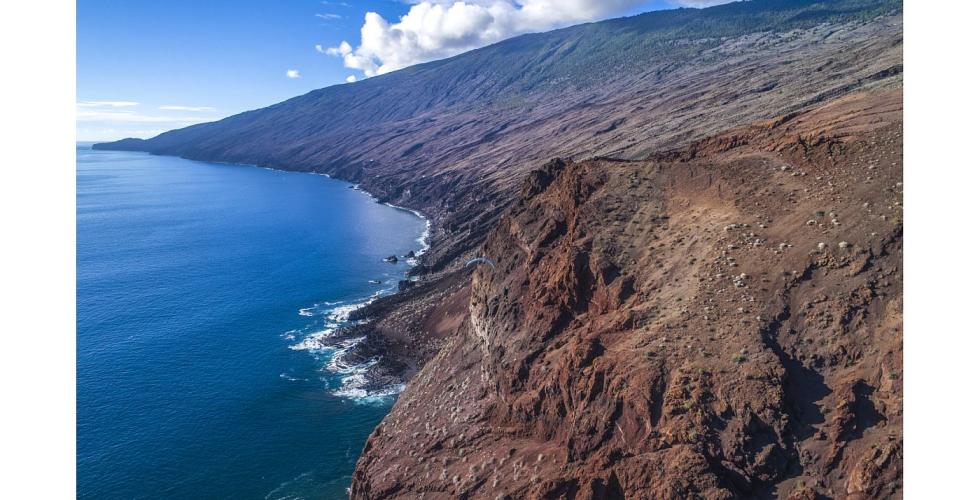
(721, 321)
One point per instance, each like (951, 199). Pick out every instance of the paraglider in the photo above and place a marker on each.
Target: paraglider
(481, 260)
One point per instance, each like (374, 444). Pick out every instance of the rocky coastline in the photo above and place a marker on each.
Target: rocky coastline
(702, 298)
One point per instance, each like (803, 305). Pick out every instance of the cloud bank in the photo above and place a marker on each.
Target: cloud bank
(435, 29)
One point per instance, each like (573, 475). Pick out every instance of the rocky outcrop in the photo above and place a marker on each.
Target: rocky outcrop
(720, 321)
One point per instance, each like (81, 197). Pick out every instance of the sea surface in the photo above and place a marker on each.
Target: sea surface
(199, 286)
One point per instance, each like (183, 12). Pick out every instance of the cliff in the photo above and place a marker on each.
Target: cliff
(720, 321)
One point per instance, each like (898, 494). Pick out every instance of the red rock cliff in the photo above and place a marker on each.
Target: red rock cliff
(722, 321)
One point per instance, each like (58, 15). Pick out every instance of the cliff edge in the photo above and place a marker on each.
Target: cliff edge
(719, 321)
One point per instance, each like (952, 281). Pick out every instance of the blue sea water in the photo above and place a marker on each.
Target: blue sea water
(197, 285)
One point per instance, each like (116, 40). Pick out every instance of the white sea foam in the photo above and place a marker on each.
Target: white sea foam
(333, 318)
(424, 238)
(353, 377)
(316, 341)
(338, 365)
(353, 381)
(353, 386)
(341, 314)
(351, 390)
(317, 309)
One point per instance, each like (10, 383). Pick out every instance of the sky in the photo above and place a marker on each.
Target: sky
(148, 66)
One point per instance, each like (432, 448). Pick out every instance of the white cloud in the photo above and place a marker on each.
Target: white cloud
(174, 107)
(340, 50)
(435, 29)
(351, 79)
(133, 117)
(328, 16)
(292, 73)
(116, 112)
(107, 104)
(110, 120)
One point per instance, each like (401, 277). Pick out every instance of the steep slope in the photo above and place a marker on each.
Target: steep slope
(453, 137)
(720, 321)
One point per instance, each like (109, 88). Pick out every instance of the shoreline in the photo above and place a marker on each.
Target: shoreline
(365, 380)
(367, 370)
(402, 328)
(423, 239)
(303, 241)
(359, 383)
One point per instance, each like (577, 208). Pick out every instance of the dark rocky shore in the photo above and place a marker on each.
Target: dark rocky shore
(404, 330)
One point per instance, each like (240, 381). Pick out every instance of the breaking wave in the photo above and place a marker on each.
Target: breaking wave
(346, 380)
(342, 378)
(316, 309)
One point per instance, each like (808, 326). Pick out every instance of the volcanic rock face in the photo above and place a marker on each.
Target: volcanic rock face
(720, 321)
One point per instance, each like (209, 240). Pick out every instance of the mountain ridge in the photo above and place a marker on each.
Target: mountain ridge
(804, 14)
(410, 145)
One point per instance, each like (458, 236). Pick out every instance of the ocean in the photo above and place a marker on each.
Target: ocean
(197, 284)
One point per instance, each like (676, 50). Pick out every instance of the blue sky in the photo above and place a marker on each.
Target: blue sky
(144, 67)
